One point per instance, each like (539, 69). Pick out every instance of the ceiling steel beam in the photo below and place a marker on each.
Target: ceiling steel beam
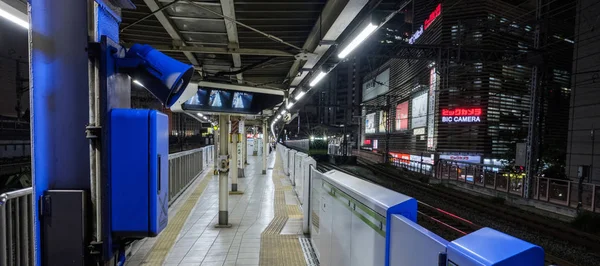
(334, 19)
(153, 5)
(197, 19)
(197, 2)
(227, 86)
(221, 50)
(229, 11)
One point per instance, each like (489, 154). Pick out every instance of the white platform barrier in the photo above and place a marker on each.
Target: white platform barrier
(291, 165)
(353, 222)
(351, 228)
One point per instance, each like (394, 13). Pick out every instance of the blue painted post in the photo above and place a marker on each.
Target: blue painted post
(59, 99)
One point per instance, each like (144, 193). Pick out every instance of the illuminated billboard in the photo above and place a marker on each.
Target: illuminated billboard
(419, 111)
(382, 121)
(370, 123)
(461, 115)
(402, 116)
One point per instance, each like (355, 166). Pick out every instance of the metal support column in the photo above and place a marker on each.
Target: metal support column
(245, 147)
(265, 133)
(234, 160)
(216, 149)
(223, 170)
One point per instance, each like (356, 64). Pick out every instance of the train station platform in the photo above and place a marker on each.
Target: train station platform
(266, 224)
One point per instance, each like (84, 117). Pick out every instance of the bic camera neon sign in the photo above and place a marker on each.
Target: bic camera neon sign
(461, 115)
(436, 13)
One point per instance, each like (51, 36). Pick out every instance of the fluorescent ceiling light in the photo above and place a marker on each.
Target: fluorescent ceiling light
(199, 114)
(317, 78)
(138, 83)
(299, 95)
(14, 15)
(278, 116)
(283, 111)
(358, 40)
(289, 105)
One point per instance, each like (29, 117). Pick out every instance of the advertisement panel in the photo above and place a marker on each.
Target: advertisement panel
(402, 116)
(433, 84)
(419, 111)
(370, 123)
(382, 121)
(403, 157)
(376, 86)
(418, 158)
(462, 158)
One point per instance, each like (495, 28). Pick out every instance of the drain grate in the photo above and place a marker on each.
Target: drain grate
(309, 253)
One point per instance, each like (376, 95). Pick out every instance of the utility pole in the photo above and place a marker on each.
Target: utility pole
(387, 129)
(533, 138)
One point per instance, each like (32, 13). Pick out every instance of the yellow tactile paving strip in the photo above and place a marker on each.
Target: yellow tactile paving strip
(277, 249)
(167, 237)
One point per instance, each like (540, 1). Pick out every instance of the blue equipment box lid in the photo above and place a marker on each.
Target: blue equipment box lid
(487, 246)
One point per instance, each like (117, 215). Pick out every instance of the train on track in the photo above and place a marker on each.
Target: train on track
(315, 147)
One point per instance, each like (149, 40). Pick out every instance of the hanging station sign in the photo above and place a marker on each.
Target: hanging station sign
(432, 16)
(461, 115)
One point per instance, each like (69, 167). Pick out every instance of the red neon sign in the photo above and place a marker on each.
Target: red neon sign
(436, 13)
(462, 112)
(367, 142)
(461, 115)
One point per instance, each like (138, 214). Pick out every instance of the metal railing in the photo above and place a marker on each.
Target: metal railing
(488, 176)
(557, 191)
(16, 214)
(561, 192)
(184, 167)
(16, 225)
(565, 192)
(414, 166)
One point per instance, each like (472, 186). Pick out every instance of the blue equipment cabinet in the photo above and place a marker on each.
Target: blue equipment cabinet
(139, 172)
(487, 247)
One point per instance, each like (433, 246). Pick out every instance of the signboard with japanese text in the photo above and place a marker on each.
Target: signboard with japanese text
(461, 158)
(461, 115)
(433, 85)
(376, 86)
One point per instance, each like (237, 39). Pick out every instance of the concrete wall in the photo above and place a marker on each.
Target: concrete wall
(584, 126)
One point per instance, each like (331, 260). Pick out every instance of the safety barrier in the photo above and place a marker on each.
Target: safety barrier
(16, 220)
(557, 191)
(355, 222)
(16, 225)
(185, 166)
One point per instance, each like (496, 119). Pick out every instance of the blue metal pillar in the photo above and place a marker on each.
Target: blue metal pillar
(59, 80)
(59, 99)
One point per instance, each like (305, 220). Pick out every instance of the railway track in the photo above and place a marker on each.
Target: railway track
(450, 225)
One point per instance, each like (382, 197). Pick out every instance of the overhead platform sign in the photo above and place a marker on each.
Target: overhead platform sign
(213, 97)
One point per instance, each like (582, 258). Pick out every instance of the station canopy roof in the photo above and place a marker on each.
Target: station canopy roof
(267, 44)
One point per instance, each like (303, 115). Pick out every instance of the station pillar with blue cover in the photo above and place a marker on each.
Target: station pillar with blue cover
(99, 168)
